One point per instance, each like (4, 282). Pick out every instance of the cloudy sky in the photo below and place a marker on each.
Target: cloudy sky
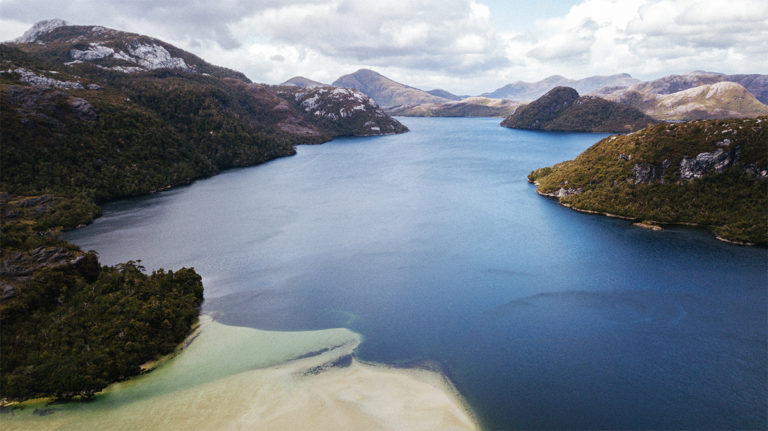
(464, 46)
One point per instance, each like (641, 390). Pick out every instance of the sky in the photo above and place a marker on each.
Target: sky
(463, 46)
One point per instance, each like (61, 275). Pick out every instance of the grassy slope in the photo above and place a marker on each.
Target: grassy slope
(733, 204)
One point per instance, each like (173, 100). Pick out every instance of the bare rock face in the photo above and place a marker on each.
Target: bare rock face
(36, 80)
(706, 163)
(83, 108)
(40, 28)
(348, 112)
(646, 173)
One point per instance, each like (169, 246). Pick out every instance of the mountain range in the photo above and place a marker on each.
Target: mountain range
(527, 91)
(690, 96)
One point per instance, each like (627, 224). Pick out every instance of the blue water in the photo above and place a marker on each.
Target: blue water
(434, 247)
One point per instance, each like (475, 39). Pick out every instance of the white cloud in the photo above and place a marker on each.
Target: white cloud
(453, 44)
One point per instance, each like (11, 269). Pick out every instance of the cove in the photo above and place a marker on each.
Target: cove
(433, 247)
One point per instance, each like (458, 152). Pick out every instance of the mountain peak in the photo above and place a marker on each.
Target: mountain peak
(300, 81)
(385, 91)
(40, 28)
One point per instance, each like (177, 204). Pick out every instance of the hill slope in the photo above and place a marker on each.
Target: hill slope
(468, 107)
(108, 114)
(711, 173)
(385, 91)
(754, 83)
(561, 109)
(722, 99)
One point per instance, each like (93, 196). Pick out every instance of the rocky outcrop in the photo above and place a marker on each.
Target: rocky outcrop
(148, 56)
(646, 173)
(707, 163)
(40, 28)
(344, 110)
(36, 80)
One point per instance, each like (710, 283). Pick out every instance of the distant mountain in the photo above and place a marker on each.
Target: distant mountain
(525, 91)
(754, 83)
(300, 81)
(468, 107)
(385, 91)
(711, 173)
(446, 94)
(563, 109)
(343, 111)
(722, 99)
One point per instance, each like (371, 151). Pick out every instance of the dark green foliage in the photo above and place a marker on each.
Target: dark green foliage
(66, 334)
(561, 109)
(146, 132)
(70, 326)
(732, 203)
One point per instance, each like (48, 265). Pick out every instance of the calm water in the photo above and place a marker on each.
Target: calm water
(435, 248)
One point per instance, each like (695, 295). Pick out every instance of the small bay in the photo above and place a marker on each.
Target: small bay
(433, 247)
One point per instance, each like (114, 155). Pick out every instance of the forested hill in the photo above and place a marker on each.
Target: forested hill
(562, 109)
(106, 114)
(711, 173)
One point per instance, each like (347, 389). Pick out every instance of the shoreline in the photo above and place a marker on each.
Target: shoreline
(653, 225)
(234, 377)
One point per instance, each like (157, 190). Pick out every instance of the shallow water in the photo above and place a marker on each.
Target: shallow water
(434, 247)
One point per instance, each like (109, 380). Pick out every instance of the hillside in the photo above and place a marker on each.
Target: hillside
(710, 173)
(468, 107)
(562, 109)
(384, 91)
(721, 99)
(527, 91)
(108, 114)
(445, 94)
(91, 114)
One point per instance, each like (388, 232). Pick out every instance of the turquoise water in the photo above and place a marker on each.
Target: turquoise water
(434, 247)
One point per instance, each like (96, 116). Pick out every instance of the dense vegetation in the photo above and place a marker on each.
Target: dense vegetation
(130, 115)
(69, 325)
(561, 109)
(732, 200)
(137, 134)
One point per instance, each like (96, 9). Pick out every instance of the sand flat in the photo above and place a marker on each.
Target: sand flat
(247, 379)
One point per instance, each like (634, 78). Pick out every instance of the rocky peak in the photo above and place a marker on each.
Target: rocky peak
(40, 28)
(349, 111)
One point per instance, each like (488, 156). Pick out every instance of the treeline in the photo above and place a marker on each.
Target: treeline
(75, 329)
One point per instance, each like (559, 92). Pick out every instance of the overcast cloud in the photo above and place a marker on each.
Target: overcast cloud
(454, 44)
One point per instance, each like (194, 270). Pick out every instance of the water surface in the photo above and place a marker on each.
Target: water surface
(434, 247)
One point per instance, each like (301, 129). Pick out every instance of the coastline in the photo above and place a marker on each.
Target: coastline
(234, 378)
(653, 225)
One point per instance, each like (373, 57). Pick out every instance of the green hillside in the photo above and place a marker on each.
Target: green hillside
(710, 173)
